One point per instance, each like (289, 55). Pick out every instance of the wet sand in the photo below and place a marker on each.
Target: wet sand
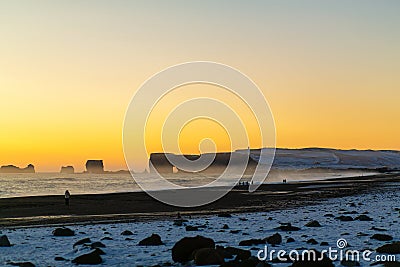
(96, 208)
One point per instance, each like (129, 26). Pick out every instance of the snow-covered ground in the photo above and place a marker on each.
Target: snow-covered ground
(334, 159)
(39, 246)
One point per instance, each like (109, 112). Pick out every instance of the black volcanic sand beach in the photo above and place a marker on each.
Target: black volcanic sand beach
(92, 208)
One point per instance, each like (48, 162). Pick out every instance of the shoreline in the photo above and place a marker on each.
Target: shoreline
(49, 210)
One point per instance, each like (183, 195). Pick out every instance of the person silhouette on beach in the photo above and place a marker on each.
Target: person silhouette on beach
(67, 196)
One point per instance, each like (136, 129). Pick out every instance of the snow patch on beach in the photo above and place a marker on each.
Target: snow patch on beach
(39, 246)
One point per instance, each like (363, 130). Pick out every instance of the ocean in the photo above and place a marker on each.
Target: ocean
(36, 184)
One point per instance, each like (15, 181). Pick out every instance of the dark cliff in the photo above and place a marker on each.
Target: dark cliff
(160, 163)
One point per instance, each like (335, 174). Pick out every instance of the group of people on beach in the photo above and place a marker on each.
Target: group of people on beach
(245, 183)
(67, 194)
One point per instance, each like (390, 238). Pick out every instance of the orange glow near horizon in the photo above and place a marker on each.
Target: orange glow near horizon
(330, 72)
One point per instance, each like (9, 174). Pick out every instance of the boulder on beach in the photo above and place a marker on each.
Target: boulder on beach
(63, 231)
(393, 248)
(89, 258)
(153, 240)
(382, 237)
(207, 256)
(274, 239)
(4, 242)
(126, 232)
(313, 224)
(183, 249)
(288, 227)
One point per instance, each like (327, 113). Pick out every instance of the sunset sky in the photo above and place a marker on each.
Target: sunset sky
(330, 71)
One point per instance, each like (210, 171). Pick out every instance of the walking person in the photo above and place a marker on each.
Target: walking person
(67, 196)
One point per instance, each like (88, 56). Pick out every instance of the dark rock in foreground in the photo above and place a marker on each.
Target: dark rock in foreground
(207, 256)
(153, 240)
(382, 237)
(313, 224)
(274, 239)
(4, 242)
(393, 248)
(288, 227)
(90, 258)
(183, 249)
(126, 232)
(63, 232)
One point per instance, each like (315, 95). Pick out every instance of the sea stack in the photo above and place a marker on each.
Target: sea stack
(14, 169)
(94, 166)
(67, 169)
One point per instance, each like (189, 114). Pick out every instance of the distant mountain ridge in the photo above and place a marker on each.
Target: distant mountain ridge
(334, 159)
